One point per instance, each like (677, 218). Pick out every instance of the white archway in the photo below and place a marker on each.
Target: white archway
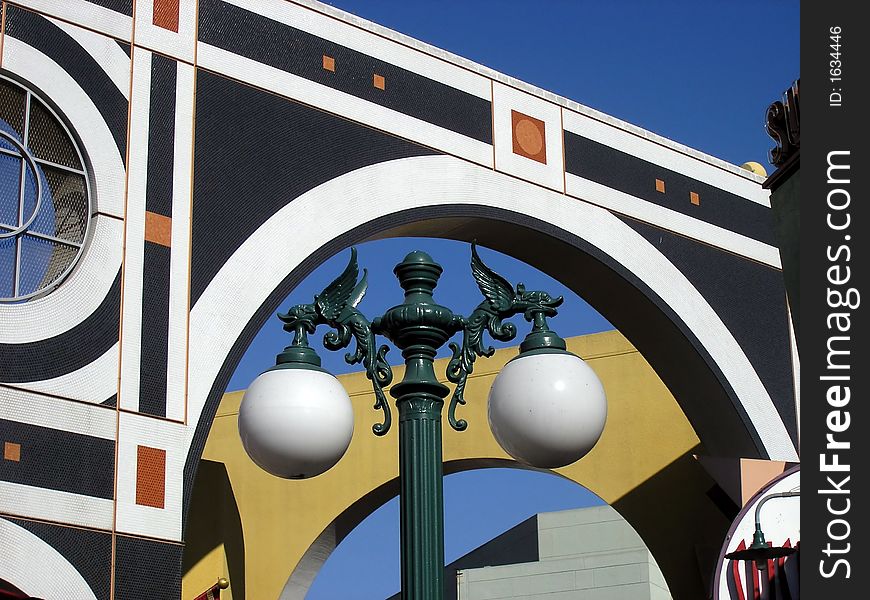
(54, 577)
(299, 230)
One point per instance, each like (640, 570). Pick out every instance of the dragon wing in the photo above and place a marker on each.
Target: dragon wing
(359, 291)
(493, 286)
(343, 291)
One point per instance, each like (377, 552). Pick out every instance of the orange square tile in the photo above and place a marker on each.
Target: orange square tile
(529, 137)
(329, 63)
(150, 476)
(660, 186)
(165, 14)
(12, 451)
(695, 198)
(158, 229)
(379, 82)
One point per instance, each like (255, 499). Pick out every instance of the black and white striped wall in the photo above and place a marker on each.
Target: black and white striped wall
(210, 130)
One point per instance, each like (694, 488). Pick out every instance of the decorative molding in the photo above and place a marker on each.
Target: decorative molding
(784, 124)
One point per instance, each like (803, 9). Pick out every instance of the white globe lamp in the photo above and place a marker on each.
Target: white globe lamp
(296, 421)
(547, 408)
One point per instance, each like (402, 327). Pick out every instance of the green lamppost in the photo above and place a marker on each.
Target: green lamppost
(546, 408)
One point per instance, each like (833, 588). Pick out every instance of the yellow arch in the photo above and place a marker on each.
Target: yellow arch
(642, 465)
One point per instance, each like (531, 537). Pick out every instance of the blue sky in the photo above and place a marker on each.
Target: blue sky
(699, 73)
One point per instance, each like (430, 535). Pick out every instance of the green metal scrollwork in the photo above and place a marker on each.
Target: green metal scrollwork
(502, 301)
(373, 359)
(335, 307)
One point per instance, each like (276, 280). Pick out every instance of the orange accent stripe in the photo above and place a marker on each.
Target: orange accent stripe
(121, 307)
(158, 229)
(564, 159)
(2, 32)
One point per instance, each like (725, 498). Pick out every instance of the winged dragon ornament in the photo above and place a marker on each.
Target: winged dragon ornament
(502, 300)
(335, 307)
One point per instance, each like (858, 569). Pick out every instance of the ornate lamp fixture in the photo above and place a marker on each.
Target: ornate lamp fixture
(759, 551)
(547, 407)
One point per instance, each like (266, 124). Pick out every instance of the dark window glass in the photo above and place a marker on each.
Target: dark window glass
(48, 140)
(12, 103)
(44, 196)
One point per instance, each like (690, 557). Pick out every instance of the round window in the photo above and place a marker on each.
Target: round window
(44, 196)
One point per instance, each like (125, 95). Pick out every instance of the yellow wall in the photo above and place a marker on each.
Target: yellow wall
(642, 466)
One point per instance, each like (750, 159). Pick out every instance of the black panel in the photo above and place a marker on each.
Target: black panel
(110, 401)
(89, 551)
(13, 106)
(155, 285)
(256, 152)
(161, 135)
(47, 140)
(59, 460)
(749, 298)
(147, 569)
(125, 47)
(125, 7)
(723, 502)
(69, 351)
(295, 51)
(155, 328)
(626, 173)
(38, 32)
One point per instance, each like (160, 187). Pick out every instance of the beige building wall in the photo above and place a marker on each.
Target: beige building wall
(586, 554)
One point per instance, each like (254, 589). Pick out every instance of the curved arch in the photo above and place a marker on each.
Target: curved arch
(633, 284)
(55, 577)
(587, 248)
